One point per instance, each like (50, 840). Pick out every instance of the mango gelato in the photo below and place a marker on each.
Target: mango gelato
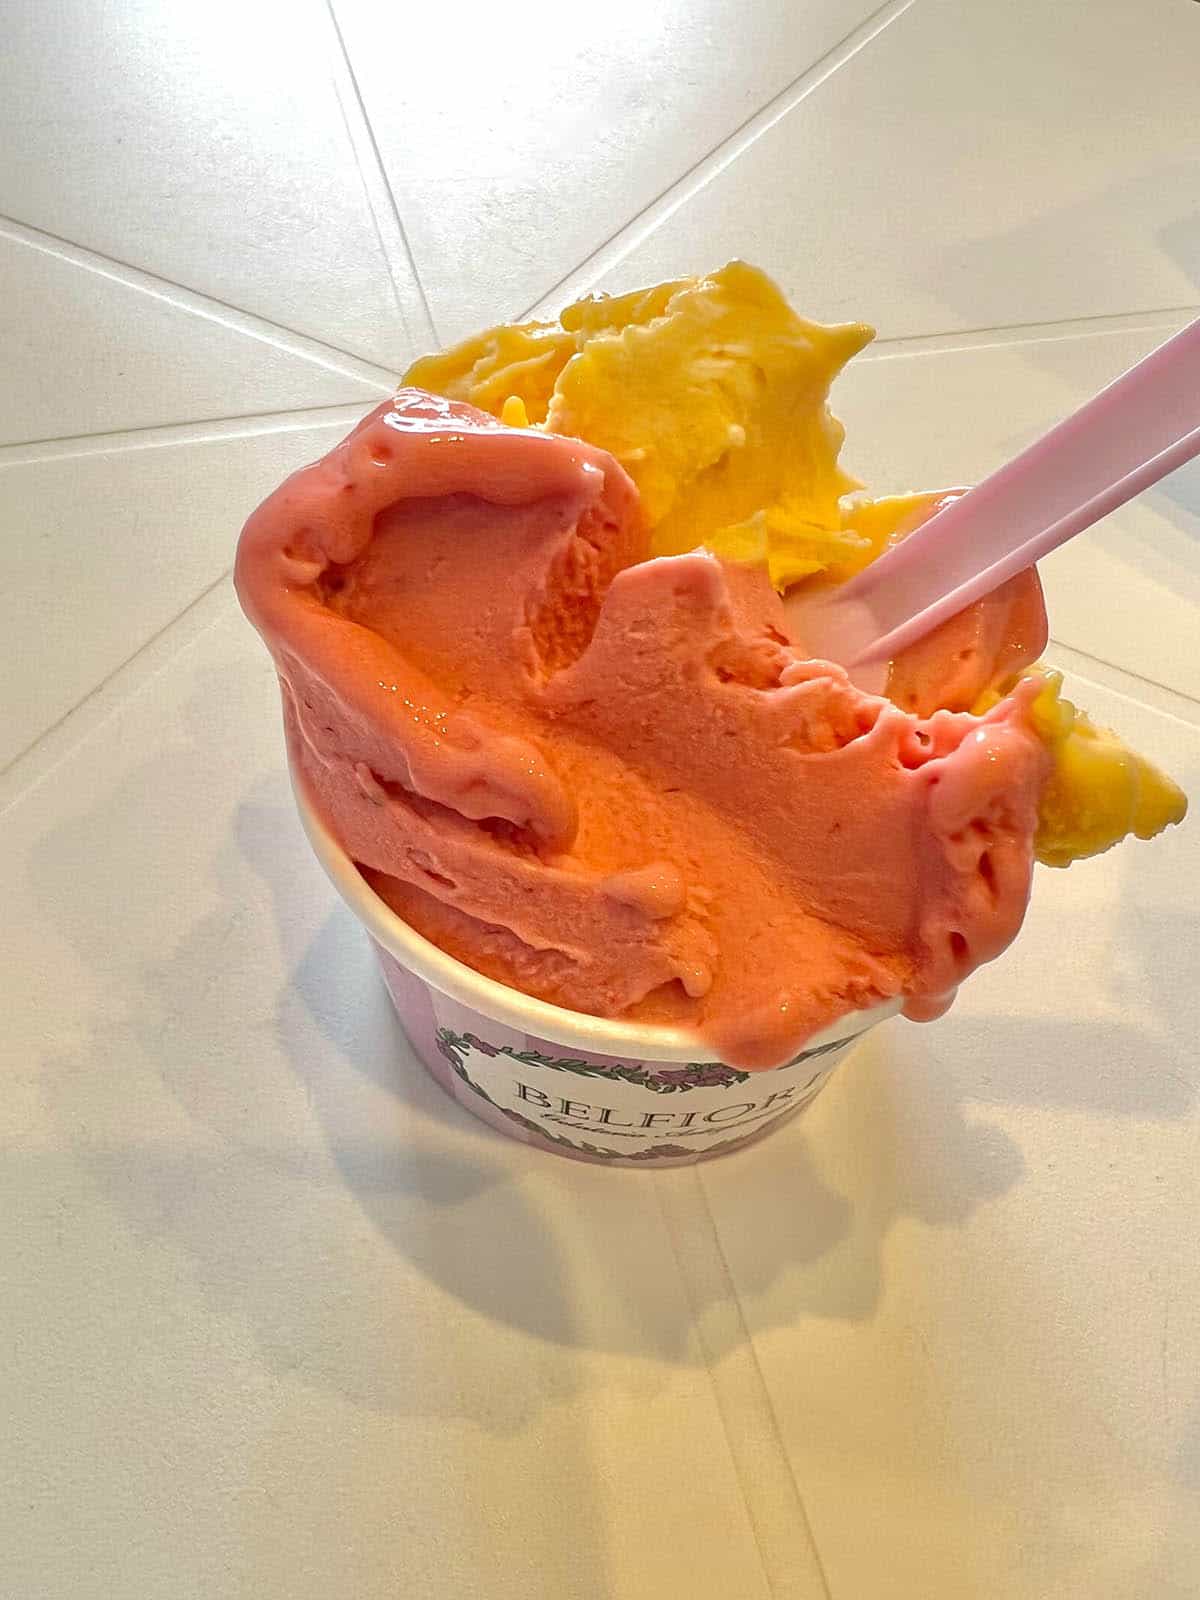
(713, 395)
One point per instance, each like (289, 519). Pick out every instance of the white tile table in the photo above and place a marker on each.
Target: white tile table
(278, 1321)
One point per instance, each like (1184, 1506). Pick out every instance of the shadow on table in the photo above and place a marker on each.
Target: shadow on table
(272, 1223)
(1076, 236)
(912, 1149)
(188, 1097)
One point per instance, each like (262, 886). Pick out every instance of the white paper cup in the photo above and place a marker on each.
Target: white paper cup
(621, 1093)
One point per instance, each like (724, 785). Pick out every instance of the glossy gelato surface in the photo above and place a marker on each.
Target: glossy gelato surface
(610, 781)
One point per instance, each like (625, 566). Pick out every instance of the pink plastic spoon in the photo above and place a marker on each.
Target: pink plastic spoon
(1141, 427)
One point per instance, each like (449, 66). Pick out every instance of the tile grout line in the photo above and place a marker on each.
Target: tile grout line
(1031, 333)
(650, 218)
(105, 699)
(1190, 716)
(1011, 335)
(20, 451)
(779, 1519)
(158, 435)
(381, 197)
(1186, 707)
(301, 345)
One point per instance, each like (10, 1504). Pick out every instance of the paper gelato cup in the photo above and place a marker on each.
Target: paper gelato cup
(616, 1092)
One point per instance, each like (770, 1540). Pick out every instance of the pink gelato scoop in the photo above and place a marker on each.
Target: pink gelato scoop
(614, 782)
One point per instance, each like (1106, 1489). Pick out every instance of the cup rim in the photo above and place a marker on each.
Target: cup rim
(510, 1007)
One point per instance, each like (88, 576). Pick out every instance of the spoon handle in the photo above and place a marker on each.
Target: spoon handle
(1144, 425)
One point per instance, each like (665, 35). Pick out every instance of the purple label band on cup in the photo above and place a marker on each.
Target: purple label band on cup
(595, 1089)
(594, 1107)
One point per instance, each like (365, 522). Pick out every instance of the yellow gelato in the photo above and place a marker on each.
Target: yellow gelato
(1099, 790)
(713, 395)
